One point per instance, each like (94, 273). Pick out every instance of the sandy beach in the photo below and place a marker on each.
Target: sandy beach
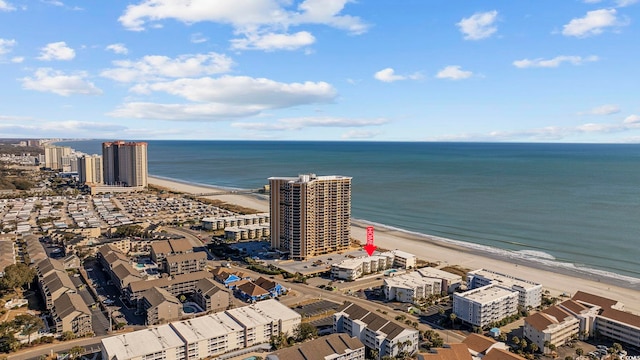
(556, 280)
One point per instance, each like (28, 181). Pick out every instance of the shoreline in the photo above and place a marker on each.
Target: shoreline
(551, 274)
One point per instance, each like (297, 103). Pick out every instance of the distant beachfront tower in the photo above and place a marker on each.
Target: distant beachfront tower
(90, 169)
(310, 215)
(53, 156)
(125, 163)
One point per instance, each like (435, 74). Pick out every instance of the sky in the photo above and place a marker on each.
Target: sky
(352, 70)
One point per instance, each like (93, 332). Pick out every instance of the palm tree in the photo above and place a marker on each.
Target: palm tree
(579, 351)
(453, 318)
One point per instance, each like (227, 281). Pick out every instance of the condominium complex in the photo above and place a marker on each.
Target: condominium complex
(206, 336)
(529, 292)
(53, 156)
(411, 287)
(351, 269)
(553, 325)
(310, 215)
(125, 163)
(332, 347)
(377, 333)
(484, 305)
(90, 169)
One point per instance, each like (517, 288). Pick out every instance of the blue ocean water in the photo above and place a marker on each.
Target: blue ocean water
(570, 205)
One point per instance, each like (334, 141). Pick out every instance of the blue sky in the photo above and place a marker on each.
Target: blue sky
(404, 70)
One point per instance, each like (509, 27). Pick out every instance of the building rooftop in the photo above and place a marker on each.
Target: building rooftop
(156, 296)
(486, 294)
(504, 279)
(321, 348)
(591, 299)
(478, 343)
(142, 342)
(206, 327)
(453, 352)
(433, 272)
(186, 257)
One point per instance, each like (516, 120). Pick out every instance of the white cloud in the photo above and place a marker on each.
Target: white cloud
(549, 133)
(258, 21)
(6, 45)
(308, 122)
(156, 67)
(273, 41)
(632, 119)
(453, 72)
(479, 26)
(389, 75)
(17, 59)
(48, 80)
(359, 134)
(184, 112)
(554, 62)
(245, 90)
(593, 23)
(608, 109)
(53, 2)
(118, 48)
(624, 3)
(223, 98)
(57, 51)
(5, 6)
(198, 38)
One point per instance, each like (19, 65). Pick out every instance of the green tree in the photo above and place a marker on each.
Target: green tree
(617, 347)
(453, 318)
(305, 331)
(29, 324)
(67, 335)
(579, 351)
(76, 351)
(9, 343)
(516, 341)
(533, 347)
(16, 276)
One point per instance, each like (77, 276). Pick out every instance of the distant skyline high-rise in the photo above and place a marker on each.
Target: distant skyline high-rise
(125, 163)
(53, 156)
(90, 169)
(310, 215)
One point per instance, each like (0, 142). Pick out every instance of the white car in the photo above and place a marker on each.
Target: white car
(108, 302)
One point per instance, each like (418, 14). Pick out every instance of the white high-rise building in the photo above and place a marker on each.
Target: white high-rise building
(125, 163)
(310, 215)
(484, 305)
(90, 169)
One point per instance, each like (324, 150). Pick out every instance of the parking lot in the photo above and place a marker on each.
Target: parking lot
(108, 292)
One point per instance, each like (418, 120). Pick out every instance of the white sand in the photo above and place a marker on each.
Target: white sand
(433, 251)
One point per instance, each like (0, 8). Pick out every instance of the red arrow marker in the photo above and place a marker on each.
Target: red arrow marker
(370, 248)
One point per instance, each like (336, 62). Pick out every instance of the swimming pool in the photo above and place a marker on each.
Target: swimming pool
(188, 309)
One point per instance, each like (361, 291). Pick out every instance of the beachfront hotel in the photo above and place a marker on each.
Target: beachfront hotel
(125, 163)
(310, 214)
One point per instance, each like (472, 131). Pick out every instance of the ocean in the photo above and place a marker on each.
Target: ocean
(572, 206)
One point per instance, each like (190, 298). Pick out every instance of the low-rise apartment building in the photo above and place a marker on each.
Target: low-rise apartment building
(553, 325)
(184, 263)
(70, 313)
(411, 287)
(375, 332)
(529, 292)
(484, 305)
(205, 336)
(450, 282)
(160, 306)
(211, 297)
(331, 347)
(611, 320)
(176, 285)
